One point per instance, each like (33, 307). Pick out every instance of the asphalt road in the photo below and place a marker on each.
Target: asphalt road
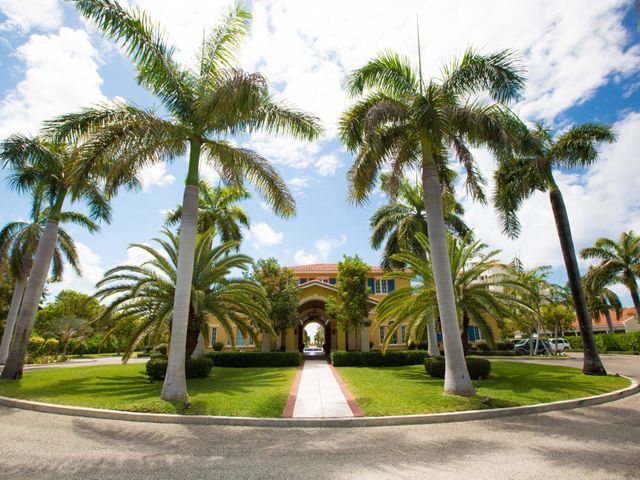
(600, 442)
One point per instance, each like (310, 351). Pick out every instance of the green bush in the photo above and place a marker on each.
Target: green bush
(504, 346)
(392, 358)
(611, 342)
(50, 346)
(217, 346)
(93, 344)
(194, 368)
(36, 346)
(255, 359)
(423, 346)
(479, 368)
(411, 345)
(496, 353)
(480, 345)
(575, 342)
(162, 348)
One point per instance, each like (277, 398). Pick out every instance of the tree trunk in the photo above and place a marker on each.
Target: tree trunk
(32, 295)
(457, 380)
(464, 336)
(193, 336)
(16, 300)
(556, 336)
(607, 315)
(635, 298)
(592, 364)
(432, 338)
(175, 384)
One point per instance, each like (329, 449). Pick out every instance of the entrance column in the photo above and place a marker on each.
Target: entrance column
(266, 342)
(364, 338)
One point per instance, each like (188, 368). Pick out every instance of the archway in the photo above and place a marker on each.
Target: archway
(313, 313)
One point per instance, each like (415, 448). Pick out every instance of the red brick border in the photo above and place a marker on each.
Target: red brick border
(293, 393)
(355, 409)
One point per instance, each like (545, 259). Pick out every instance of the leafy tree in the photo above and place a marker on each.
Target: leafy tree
(349, 305)
(205, 106)
(68, 304)
(318, 337)
(600, 299)
(531, 170)
(143, 294)
(59, 171)
(282, 292)
(619, 263)
(66, 329)
(408, 122)
(558, 313)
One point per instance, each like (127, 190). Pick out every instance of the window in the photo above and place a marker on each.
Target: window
(381, 334)
(394, 338)
(214, 335)
(251, 344)
(403, 333)
(380, 286)
(239, 339)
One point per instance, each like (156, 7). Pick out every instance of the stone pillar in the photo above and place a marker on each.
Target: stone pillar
(199, 351)
(364, 338)
(351, 340)
(279, 340)
(266, 342)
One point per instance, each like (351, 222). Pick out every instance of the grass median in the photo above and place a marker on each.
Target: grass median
(408, 390)
(250, 392)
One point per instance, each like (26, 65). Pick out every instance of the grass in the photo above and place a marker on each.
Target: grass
(408, 390)
(251, 392)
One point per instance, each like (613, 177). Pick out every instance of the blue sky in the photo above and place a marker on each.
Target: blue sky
(582, 58)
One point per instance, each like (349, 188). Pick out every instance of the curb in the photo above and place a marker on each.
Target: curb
(346, 422)
(293, 393)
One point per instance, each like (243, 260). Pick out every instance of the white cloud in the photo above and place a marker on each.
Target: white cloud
(323, 249)
(298, 184)
(92, 273)
(61, 76)
(155, 175)
(327, 165)
(262, 235)
(25, 15)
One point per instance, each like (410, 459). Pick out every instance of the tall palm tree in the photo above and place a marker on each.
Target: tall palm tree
(19, 240)
(600, 299)
(401, 119)
(205, 106)
(217, 210)
(144, 294)
(619, 263)
(483, 290)
(519, 177)
(38, 163)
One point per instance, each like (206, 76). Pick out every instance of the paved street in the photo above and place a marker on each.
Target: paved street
(600, 442)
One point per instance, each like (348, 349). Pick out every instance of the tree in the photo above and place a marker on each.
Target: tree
(205, 106)
(282, 292)
(558, 313)
(66, 329)
(483, 290)
(68, 304)
(350, 304)
(531, 170)
(61, 171)
(144, 294)
(19, 241)
(600, 299)
(619, 263)
(318, 337)
(402, 120)
(217, 210)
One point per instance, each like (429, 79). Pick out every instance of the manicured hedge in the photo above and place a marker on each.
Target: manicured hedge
(496, 353)
(377, 359)
(255, 359)
(611, 342)
(194, 368)
(479, 368)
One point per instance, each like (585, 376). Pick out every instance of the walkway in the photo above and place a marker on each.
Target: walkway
(319, 394)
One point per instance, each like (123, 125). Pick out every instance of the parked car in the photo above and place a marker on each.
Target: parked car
(561, 346)
(527, 345)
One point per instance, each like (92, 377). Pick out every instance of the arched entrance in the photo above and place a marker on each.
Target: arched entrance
(314, 312)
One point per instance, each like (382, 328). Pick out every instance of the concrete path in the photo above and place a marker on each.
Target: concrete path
(82, 362)
(319, 394)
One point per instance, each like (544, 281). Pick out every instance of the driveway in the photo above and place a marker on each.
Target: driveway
(601, 442)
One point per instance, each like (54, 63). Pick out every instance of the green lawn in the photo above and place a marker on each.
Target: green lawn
(408, 390)
(251, 392)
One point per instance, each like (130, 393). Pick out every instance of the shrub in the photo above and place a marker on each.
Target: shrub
(504, 346)
(36, 346)
(377, 358)
(497, 353)
(423, 346)
(218, 346)
(162, 348)
(411, 345)
(194, 368)
(157, 356)
(255, 359)
(50, 346)
(479, 368)
(480, 346)
(611, 342)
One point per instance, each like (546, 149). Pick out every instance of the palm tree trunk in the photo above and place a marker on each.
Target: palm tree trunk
(464, 336)
(175, 383)
(32, 295)
(14, 308)
(432, 338)
(592, 364)
(457, 380)
(607, 315)
(635, 298)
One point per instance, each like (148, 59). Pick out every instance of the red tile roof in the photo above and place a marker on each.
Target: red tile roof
(326, 267)
(627, 313)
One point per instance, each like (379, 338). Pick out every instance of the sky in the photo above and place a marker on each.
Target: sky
(582, 60)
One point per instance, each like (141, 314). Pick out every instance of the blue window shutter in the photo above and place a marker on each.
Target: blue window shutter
(472, 334)
(371, 285)
(303, 280)
(332, 281)
(391, 285)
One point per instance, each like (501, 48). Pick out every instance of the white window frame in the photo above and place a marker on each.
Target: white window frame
(380, 286)
(381, 332)
(403, 334)
(213, 335)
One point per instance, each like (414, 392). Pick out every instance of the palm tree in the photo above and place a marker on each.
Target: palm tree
(518, 177)
(205, 106)
(218, 211)
(403, 120)
(600, 299)
(19, 240)
(619, 263)
(38, 163)
(66, 329)
(144, 294)
(483, 290)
